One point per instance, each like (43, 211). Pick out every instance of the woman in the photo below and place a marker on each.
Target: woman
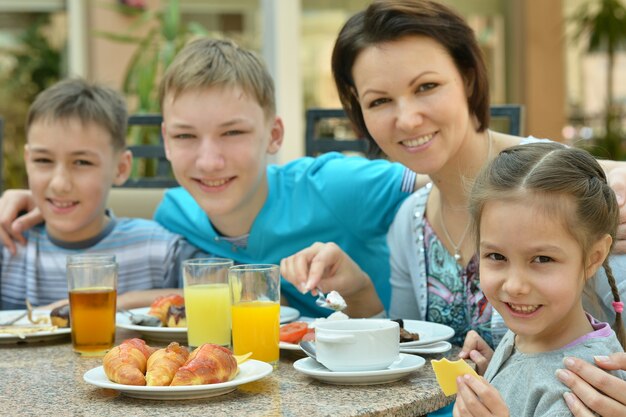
(411, 78)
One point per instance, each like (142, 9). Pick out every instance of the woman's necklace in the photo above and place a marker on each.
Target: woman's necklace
(457, 246)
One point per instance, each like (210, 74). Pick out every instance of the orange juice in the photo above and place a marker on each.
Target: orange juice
(92, 318)
(256, 326)
(208, 314)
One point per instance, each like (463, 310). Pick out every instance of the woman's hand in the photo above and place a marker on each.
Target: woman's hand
(326, 266)
(593, 389)
(476, 349)
(477, 398)
(12, 225)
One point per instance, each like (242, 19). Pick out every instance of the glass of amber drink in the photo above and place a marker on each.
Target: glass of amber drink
(92, 285)
(207, 301)
(255, 296)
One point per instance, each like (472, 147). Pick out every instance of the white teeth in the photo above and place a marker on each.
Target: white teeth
(214, 183)
(523, 308)
(62, 204)
(417, 142)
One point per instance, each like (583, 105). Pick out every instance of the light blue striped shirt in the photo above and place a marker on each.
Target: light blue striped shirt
(148, 256)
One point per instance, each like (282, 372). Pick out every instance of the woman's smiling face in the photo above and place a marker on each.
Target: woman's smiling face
(414, 101)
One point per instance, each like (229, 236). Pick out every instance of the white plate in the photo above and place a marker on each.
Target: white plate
(249, 371)
(402, 367)
(429, 332)
(437, 347)
(288, 314)
(179, 334)
(30, 337)
(163, 334)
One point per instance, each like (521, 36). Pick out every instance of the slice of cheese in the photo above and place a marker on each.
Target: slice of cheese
(447, 372)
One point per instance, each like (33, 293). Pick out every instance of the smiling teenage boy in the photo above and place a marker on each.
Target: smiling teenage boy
(220, 127)
(75, 152)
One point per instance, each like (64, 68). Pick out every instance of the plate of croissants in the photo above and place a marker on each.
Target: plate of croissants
(174, 373)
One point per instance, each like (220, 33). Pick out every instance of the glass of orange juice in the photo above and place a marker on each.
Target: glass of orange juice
(255, 295)
(92, 285)
(207, 301)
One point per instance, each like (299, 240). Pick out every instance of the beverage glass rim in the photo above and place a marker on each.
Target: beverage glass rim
(90, 258)
(253, 267)
(208, 261)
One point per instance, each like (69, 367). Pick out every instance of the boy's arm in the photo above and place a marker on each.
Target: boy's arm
(143, 298)
(12, 224)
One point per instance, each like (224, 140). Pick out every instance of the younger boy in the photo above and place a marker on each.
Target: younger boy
(75, 152)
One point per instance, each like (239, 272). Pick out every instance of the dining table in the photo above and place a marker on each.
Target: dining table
(45, 378)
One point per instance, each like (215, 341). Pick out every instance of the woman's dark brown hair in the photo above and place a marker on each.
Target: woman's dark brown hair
(390, 20)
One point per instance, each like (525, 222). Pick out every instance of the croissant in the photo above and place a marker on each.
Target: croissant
(207, 364)
(161, 305)
(163, 364)
(126, 363)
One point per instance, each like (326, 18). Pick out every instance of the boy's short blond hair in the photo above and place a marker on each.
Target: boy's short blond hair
(205, 63)
(89, 103)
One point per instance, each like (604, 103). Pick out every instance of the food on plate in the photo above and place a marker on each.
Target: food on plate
(176, 316)
(161, 305)
(21, 331)
(299, 331)
(126, 363)
(293, 332)
(405, 335)
(337, 315)
(207, 364)
(447, 372)
(60, 316)
(35, 320)
(135, 363)
(163, 364)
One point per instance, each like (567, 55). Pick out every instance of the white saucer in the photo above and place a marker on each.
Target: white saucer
(405, 365)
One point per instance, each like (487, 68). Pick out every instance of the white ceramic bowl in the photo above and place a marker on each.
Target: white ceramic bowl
(357, 344)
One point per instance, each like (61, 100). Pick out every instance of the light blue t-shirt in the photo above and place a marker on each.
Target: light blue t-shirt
(333, 198)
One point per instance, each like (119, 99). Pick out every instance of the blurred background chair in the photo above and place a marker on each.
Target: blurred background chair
(152, 173)
(151, 169)
(329, 130)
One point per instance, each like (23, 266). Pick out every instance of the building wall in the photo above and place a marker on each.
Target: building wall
(543, 90)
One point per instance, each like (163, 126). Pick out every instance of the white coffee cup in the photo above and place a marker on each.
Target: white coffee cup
(357, 344)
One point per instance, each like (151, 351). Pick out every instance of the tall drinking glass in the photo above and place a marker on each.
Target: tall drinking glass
(207, 301)
(92, 285)
(255, 294)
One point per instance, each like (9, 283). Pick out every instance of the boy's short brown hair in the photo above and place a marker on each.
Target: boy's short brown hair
(207, 62)
(77, 99)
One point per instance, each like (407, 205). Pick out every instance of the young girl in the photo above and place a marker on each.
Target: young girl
(545, 220)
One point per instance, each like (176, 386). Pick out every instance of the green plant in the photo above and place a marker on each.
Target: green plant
(36, 65)
(603, 24)
(159, 34)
